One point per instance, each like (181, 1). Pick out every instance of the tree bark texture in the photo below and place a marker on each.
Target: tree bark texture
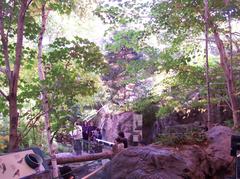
(44, 93)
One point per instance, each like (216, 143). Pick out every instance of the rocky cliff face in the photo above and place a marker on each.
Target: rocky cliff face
(185, 162)
(116, 123)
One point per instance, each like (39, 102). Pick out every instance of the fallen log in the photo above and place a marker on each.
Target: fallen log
(71, 158)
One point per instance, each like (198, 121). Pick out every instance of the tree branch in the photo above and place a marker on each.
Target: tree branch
(36, 118)
(29, 2)
(53, 135)
(3, 94)
(32, 118)
(4, 40)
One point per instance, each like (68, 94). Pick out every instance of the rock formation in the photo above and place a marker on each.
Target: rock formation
(183, 162)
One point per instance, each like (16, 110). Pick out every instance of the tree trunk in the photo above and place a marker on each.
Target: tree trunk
(13, 81)
(13, 134)
(207, 68)
(44, 94)
(228, 74)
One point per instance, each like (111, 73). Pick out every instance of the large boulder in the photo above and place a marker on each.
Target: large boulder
(218, 150)
(185, 162)
(153, 162)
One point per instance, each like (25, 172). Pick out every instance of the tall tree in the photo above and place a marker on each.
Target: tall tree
(226, 65)
(44, 94)
(9, 11)
(13, 15)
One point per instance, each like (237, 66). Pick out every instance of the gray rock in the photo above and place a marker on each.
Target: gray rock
(185, 162)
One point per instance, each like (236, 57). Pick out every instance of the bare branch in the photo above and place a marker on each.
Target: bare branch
(29, 2)
(53, 135)
(29, 128)
(32, 121)
(3, 94)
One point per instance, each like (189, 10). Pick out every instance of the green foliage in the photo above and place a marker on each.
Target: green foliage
(188, 138)
(178, 17)
(199, 103)
(142, 104)
(165, 110)
(137, 70)
(63, 6)
(122, 13)
(32, 28)
(79, 52)
(126, 38)
(72, 69)
(110, 14)
(186, 17)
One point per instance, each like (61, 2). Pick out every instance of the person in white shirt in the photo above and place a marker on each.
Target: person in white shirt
(77, 137)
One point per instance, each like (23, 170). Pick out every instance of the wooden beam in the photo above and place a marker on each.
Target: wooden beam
(82, 158)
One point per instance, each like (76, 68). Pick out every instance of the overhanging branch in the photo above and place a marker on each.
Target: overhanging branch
(29, 2)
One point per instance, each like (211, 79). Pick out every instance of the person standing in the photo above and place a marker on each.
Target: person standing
(85, 136)
(91, 129)
(123, 139)
(98, 134)
(119, 145)
(77, 138)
